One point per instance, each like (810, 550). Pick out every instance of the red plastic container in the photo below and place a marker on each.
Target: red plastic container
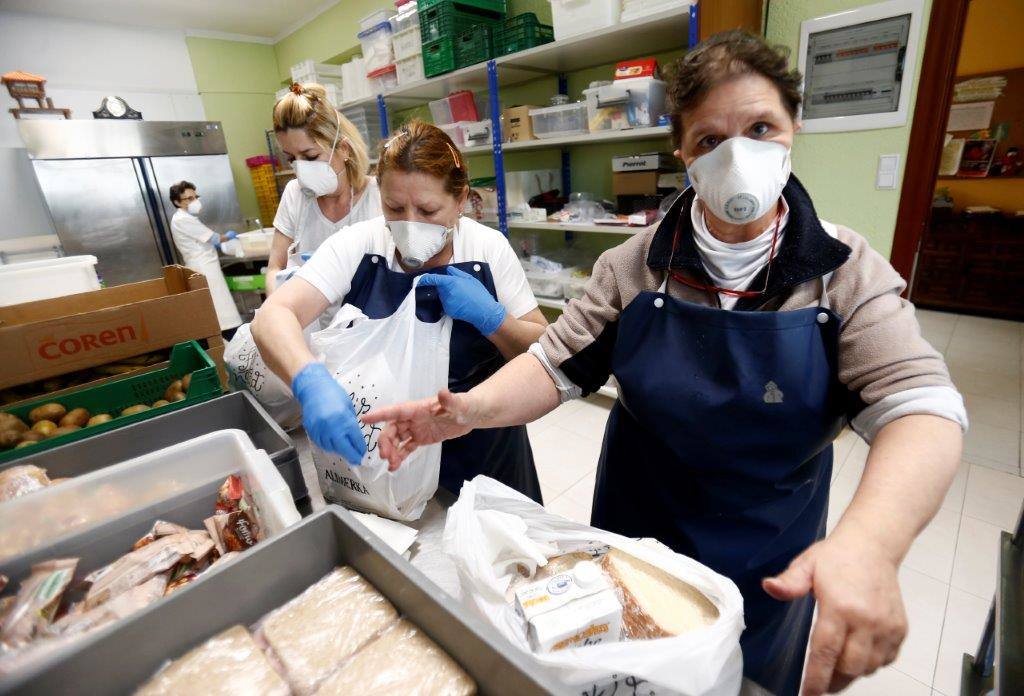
(463, 106)
(642, 67)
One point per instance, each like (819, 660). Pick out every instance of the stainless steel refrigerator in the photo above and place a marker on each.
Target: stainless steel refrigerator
(106, 185)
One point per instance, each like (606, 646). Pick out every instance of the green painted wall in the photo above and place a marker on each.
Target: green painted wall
(237, 81)
(839, 168)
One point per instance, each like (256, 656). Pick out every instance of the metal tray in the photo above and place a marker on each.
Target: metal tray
(118, 658)
(238, 410)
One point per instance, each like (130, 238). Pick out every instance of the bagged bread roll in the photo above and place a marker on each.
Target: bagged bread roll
(654, 603)
(402, 660)
(312, 635)
(21, 480)
(228, 664)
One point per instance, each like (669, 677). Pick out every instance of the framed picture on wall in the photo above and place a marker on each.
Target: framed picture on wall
(977, 158)
(858, 67)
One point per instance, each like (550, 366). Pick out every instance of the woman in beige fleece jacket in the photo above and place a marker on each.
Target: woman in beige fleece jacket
(744, 332)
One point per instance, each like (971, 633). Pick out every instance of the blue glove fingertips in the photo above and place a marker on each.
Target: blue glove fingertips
(327, 413)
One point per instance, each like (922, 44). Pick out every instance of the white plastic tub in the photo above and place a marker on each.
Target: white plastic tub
(311, 67)
(40, 280)
(408, 17)
(559, 121)
(573, 17)
(647, 100)
(376, 44)
(476, 132)
(383, 80)
(258, 242)
(407, 43)
(410, 69)
(607, 108)
(85, 502)
(455, 132)
(374, 18)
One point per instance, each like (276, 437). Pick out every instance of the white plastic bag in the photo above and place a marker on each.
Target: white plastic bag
(703, 662)
(247, 371)
(379, 362)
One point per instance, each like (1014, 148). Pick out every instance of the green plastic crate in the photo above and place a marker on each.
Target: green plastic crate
(520, 33)
(473, 46)
(447, 19)
(113, 397)
(438, 57)
(246, 283)
(486, 5)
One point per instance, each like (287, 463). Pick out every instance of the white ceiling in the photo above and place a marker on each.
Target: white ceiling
(269, 20)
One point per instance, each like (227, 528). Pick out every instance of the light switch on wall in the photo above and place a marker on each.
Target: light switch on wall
(888, 171)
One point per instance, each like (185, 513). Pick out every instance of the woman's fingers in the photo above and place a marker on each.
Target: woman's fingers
(827, 640)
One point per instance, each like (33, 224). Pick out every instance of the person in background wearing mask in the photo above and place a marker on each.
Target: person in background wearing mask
(198, 246)
(474, 277)
(744, 332)
(331, 189)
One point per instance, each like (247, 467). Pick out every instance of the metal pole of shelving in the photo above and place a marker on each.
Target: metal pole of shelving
(382, 110)
(499, 153)
(694, 27)
(563, 88)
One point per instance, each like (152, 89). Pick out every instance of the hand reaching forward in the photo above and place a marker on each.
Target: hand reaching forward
(419, 423)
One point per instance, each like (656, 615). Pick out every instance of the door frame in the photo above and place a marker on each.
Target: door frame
(924, 151)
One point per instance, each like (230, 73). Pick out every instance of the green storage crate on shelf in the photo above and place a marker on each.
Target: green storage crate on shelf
(438, 57)
(447, 19)
(247, 283)
(113, 397)
(473, 46)
(487, 5)
(520, 33)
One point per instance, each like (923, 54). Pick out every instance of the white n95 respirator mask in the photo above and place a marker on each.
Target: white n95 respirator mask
(741, 179)
(418, 242)
(315, 178)
(194, 207)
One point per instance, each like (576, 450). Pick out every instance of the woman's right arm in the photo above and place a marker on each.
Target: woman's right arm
(278, 259)
(277, 327)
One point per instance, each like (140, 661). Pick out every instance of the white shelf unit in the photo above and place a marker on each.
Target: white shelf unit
(575, 227)
(614, 136)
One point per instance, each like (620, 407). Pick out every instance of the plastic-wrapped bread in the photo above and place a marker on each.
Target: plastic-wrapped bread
(654, 603)
(402, 660)
(312, 635)
(21, 480)
(228, 664)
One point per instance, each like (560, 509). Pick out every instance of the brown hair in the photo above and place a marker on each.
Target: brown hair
(180, 188)
(722, 57)
(306, 107)
(423, 147)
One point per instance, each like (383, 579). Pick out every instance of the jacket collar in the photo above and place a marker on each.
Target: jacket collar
(807, 250)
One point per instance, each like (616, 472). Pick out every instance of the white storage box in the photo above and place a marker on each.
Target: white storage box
(258, 242)
(85, 502)
(635, 9)
(559, 121)
(476, 132)
(647, 100)
(408, 17)
(374, 19)
(383, 80)
(376, 43)
(310, 67)
(410, 69)
(455, 131)
(607, 108)
(572, 17)
(40, 280)
(407, 43)
(355, 85)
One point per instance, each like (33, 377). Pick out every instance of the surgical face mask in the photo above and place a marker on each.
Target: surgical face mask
(418, 242)
(317, 178)
(194, 207)
(741, 179)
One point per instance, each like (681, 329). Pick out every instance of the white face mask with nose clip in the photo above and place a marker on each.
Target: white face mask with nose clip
(742, 178)
(418, 242)
(318, 178)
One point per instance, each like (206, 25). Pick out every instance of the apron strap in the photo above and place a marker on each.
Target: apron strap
(833, 232)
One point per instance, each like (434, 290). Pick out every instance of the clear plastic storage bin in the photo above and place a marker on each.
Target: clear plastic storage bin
(408, 17)
(647, 100)
(573, 17)
(410, 69)
(374, 19)
(41, 280)
(457, 106)
(383, 80)
(455, 132)
(607, 108)
(559, 121)
(376, 44)
(407, 43)
(301, 72)
(476, 132)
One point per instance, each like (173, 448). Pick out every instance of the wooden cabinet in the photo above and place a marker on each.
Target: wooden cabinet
(973, 264)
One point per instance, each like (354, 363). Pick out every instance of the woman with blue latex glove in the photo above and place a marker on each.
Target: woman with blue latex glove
(473, 276)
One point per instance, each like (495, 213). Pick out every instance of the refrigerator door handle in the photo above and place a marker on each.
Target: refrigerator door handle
(161, 226)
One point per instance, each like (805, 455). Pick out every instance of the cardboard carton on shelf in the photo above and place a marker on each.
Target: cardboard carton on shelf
(516, 124)
(52, 337)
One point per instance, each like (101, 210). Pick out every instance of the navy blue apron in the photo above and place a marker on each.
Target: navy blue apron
(721, 447)
(504, 454)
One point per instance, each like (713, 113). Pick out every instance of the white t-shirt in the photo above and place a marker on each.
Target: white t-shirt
(331, 268)
(300, 219)
(192, 238)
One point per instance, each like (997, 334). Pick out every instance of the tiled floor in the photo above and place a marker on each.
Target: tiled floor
(949, 576)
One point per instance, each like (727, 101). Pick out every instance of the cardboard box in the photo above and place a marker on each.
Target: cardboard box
(516, 124)
(52, 337)
(635, 183)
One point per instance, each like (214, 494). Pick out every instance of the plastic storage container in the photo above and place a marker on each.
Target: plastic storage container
(41, 280)
(438, 57)
(573, 17)
(608, 107)
(409, 70)
(238, 410)
(366, 120)
(455, 132)
(383, 80)
(408, 16)
(447, 19)
(311, 67)
(457, 106)
(246, 283)
(266, 577)
(498, 6)
(476, 133)
(473, 46)
(520, 33)
(635, 9)
(559, 121)
(647, 100)
(258, 242)
(376, 44)
(407, 43)
(374, 19)
(355, 86)
(86, 502)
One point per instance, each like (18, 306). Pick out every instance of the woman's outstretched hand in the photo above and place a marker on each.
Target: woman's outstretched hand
(418, 423)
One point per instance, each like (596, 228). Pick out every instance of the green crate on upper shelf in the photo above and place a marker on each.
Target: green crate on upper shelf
(520, 33)
(438, 57)
(473, 46)
(487, 5)
(447, 19)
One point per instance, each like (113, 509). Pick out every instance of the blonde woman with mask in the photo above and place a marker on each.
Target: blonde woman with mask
(331, 189)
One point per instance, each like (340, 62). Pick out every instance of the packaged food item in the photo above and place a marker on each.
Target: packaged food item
(402, 660)
(236, 526)
(37, 600)
(21, 480)
(78, 620)
(655, 604)
(314, 634)
(229, 663)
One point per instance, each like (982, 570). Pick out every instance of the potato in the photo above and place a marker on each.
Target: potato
(25, 443)
(185, 382)
(51, 412)
(44, 427)
(174, 387)
(76, 416)
(32, 436)
(9, 439)
(63, 430)
(9, 421)
(132, 410)
(99, 418)
(176, 396)
(160, 402)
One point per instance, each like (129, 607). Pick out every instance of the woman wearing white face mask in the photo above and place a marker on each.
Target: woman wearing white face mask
(473, 276)
(331, 189)
(744, 332)
(198, 246)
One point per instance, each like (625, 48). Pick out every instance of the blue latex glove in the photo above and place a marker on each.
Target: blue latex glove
(215, 241)
(464, 297)
(231, 234)
(327, 413)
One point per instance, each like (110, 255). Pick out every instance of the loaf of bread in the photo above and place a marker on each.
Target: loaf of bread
(402, 660)
(228, 664)
(312, 635)
(654, 603)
